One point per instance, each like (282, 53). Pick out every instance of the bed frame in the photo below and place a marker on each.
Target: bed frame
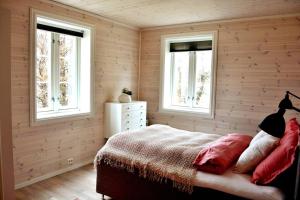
(122, 185)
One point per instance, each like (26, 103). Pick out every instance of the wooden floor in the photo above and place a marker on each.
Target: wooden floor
(79, 184)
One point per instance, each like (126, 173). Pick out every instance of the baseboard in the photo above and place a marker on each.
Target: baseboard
(51, 174)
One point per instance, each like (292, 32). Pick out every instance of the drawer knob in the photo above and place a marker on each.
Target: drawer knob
(127, 122)
(127, 108)
(127, 128)
(128, 115)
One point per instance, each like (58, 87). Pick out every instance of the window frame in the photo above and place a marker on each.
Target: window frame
(72, 114)
(54, 80)
(165, 74)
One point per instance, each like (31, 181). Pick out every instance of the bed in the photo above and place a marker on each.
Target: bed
(128, 184)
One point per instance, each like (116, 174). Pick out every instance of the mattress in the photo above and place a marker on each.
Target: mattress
(237, 184)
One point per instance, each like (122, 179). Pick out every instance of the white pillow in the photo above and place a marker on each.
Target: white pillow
(260, 147)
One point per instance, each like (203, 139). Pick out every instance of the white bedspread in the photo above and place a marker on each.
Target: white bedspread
(237, 184)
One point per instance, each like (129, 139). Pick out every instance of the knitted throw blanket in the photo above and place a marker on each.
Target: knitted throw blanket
(158, 153)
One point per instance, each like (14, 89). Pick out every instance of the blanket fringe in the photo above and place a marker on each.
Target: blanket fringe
(144, 172)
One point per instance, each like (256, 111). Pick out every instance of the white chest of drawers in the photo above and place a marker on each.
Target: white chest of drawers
(120, 117)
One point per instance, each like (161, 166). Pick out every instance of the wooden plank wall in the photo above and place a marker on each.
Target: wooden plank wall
(258, 60)
(6, 151)
(42, 150)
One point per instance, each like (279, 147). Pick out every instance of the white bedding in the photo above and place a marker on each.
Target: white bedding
(237, 184)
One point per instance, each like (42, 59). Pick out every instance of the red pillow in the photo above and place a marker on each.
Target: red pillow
(281, 158)
(221, 154)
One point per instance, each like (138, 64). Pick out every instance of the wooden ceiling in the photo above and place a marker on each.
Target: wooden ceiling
(151, 13)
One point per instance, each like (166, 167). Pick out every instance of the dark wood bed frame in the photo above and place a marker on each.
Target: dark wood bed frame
(122, 185)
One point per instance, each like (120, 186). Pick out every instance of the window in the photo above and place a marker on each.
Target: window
(61, 68)
(188, 72)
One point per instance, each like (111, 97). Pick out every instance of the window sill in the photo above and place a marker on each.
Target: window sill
(186, 112)
(60, 117)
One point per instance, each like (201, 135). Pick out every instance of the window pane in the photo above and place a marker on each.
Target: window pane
(63, 98)
(67, 71)
(42, 95)
(203, 79)
(180, 78)
(43, 70)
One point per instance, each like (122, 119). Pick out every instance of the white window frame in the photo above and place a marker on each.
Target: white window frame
(82, 111)
(166, 77)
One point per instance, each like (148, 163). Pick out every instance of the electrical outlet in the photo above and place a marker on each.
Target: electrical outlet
(70, 161)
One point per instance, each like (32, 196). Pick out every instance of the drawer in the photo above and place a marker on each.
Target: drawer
(133, 114)
(131, 127)
(133, 106)
(134, 121)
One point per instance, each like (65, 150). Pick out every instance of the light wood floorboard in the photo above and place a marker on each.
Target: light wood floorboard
(79, 184)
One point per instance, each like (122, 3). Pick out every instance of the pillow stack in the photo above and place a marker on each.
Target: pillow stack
(281, 158)
(268, 156)
(265, 155)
